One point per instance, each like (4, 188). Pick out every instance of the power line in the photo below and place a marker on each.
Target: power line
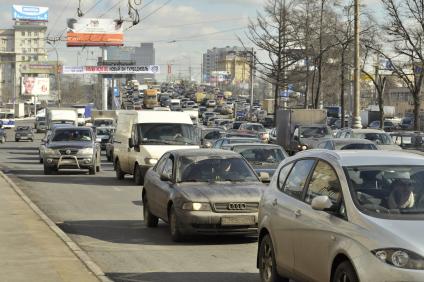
(110, 9)
(92, 7)
(153, 12)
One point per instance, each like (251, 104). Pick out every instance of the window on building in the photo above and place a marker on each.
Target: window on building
(36, 33)
(23, 33)
(23, 58)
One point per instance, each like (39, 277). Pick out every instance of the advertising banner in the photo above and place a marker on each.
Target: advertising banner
(30, 13)
(94, 32)
(152, 69)
(35, 86)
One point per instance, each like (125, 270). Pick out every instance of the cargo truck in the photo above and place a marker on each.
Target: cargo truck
(301, 129)
(150, 98)
(61, 116)
(104, 118)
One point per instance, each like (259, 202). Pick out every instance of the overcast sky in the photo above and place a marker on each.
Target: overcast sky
(181, 29)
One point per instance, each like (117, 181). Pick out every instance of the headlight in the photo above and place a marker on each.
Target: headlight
(86, 151)
(196, 207)
(304, 147)
(150, 161)
(51, 152)
(400, 258)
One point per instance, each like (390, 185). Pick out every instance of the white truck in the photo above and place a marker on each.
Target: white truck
(104, 118)
(61, 116)
(142, 137)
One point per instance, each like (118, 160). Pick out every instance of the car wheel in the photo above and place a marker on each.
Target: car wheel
(109, 157)
(267, 265)
(174, 227)
(345, 273)
(92, 170)
(49, 170)
(149, 219)
(138, 178)
(41, 160)
(16, 140)
(98, 168)
(119, 173)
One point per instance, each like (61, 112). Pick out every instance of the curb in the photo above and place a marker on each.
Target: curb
(81, 255)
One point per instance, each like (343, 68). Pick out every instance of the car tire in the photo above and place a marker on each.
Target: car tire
(41, 160)
(92, 170)
(138, 178)
(49, 170)
(119, 173)
(345, 272)
(108, 157)
(149, 219)
(98, 168)
(266, 261)
(16, 140)
(174, 227)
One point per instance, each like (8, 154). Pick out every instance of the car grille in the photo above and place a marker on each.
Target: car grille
(72, 152)
(236, 207)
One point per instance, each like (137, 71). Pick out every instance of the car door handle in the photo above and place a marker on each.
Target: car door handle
(274, 203)
(298, 213)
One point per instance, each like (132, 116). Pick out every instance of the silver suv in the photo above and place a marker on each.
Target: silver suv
(72, 148)
(344, 216)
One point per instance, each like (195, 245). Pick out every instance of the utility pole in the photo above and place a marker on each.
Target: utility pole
(252, 69)
(105, 82)
(57, 74)
(356, 78)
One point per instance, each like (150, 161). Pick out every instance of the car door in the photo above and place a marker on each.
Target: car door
(286, 202)
(165, 188)
(316, 230)
(132, 152)
(153, 184)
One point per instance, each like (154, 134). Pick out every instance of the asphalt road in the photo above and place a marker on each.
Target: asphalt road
(104, 217)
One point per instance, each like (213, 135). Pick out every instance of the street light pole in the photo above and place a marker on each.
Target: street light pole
(356, 122)
(252, 68)
(57, 75)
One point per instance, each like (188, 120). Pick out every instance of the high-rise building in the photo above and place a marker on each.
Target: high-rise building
(23, 44)
(228, 65)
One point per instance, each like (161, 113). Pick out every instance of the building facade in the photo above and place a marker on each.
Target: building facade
(23, 44)
(228, 65)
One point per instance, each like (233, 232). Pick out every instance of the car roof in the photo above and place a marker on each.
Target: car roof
(367, 130)
(366, 157)
(204, 152)
(251, 145)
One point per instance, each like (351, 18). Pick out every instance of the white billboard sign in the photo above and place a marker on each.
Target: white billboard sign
(152, 69)
(35, 86)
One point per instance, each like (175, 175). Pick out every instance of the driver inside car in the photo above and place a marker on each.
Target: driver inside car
(401, 196)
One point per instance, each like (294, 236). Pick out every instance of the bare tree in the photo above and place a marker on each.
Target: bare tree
(405, 33)
(272, 33)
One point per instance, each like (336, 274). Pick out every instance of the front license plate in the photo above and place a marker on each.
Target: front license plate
(238, 220)
(68, 161)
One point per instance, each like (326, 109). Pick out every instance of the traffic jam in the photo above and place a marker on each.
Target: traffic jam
(208, 163)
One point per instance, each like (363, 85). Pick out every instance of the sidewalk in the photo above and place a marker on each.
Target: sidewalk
(29, 249)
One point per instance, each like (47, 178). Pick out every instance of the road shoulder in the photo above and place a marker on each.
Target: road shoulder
(33, 248)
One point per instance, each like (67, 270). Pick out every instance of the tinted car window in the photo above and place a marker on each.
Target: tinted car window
(324, 182)
(297, 178)
(358, 147)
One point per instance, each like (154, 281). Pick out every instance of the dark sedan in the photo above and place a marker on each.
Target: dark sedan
(202, 191)
(262, 157)
(24, 133)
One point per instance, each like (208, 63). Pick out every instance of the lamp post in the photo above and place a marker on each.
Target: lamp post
(57, 73)
(356, 122)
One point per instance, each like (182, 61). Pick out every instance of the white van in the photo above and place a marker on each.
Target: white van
(142, 137)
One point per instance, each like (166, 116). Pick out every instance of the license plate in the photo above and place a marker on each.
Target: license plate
(238, 220)
(67, 161)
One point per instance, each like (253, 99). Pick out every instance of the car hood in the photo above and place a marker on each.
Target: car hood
(68, 144)
(222, 192)
(405, 234)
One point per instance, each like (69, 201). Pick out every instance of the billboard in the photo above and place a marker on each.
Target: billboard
(35, 86)
(94, 32)
(30, 13)
(151, 69)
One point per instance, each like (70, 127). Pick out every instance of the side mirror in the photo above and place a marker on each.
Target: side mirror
(165, 177)
(321, 203)
(130, 143)
(264, 176)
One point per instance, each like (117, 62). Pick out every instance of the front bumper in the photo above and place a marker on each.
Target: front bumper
(371, 269)
(212, 223)
(70, 162)
(24, 137)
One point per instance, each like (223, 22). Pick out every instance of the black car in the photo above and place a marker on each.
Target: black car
(409, 140)
(202, 191)
(24, 133)
(262, 157)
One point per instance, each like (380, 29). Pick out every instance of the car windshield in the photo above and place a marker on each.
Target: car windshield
(243, 140)
(104, 131)
(258, 155)
(379, 138)
(70, 134)
(99, 123)
(214, 169)
(314, 132)
(255, 127)
(166, 134)
(23, 128)
(388, 191)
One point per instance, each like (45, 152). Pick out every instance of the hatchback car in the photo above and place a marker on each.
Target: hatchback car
(202, 192)
(24, 133)
(344, 216)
